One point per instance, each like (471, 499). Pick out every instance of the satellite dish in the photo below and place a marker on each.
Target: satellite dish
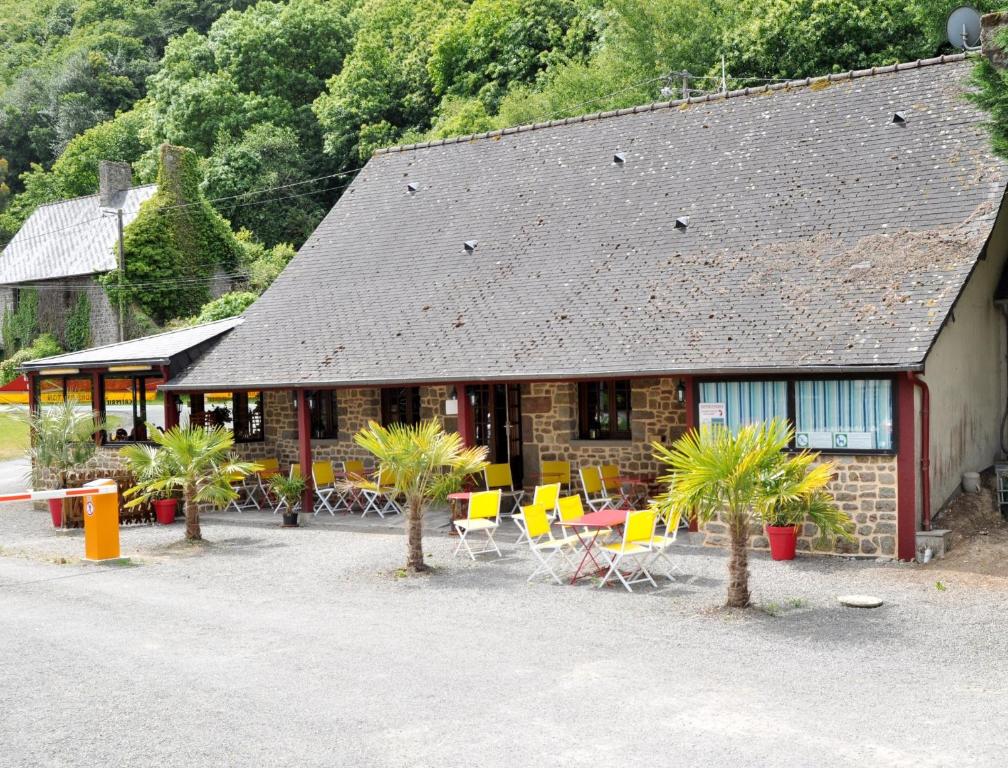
(963, 28)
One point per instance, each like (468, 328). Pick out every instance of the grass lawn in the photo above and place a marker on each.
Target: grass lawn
(13, 436)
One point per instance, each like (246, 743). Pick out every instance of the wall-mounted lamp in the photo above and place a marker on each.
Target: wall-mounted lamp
(680, 392)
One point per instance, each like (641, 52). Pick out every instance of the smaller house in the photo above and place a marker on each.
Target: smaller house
(62, 248)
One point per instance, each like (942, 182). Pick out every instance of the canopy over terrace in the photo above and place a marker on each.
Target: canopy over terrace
(123, 373)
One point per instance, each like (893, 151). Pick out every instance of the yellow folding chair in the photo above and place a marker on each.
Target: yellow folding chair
(545, 496)
(267, 468)
(661, 544)
(483, 515)
(594, 488)
(544, 545)
(324, 479)
(555, 472)
(379, 494)
(636, 544)
(498, 476)
(613, 485)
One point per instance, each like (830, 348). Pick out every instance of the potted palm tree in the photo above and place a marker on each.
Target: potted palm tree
(748, 477)
(196, 461)
(62, 439)
(288, 489)
(426, 464)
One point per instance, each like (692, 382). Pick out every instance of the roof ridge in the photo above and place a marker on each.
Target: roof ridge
(662, 105)
(85, 197)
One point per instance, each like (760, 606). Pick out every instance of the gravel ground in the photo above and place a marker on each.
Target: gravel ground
(279, 647)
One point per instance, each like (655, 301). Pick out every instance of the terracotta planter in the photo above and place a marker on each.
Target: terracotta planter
(783, 539)
(56, 511)
(165, 510)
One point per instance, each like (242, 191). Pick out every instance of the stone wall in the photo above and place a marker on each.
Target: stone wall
(57, 298)
(354, 407)
(550, 427)
(865, 488)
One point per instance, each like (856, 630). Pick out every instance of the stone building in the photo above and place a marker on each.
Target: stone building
(62, 248)
(831, 251)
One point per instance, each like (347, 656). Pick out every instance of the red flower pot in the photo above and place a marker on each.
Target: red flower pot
(165, 510)
(56, 511)
(783, 539)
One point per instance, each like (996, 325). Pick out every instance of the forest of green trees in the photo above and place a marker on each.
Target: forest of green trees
(271, 93)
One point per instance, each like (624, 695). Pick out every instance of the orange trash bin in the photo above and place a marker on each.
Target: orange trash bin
(101, 523)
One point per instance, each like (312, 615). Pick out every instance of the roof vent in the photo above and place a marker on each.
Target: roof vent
(412, 187)
(681, 223)
(470, 245)
(899, 118)
(619, 158)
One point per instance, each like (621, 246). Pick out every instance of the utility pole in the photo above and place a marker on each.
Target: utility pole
(122, 276)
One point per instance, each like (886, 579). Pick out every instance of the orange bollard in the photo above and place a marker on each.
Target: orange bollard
(101, 523)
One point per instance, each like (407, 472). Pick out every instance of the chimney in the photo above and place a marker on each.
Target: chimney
(991, 25)
(114, 178)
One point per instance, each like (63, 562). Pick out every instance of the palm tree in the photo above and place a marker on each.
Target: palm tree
(62, 439)
(748, 476)
(426, 464)
(196, 460)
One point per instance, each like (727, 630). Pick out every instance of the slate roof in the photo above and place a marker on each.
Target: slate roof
(68, 238)
(159, 349)
(821, 236)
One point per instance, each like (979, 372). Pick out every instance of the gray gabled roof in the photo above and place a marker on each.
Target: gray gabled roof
(821, 235)
(69, 238)
(159, 349)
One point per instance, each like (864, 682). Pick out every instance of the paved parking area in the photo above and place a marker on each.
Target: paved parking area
(273, 647)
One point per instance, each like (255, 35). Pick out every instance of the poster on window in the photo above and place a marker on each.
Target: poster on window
(713, 414)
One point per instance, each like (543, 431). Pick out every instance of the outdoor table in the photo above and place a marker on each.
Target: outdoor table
(453, 501)
(596, 522)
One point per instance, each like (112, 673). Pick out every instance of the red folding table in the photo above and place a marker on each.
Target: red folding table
(592, 525)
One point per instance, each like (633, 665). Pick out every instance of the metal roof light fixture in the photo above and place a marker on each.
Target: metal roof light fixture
(619, 158)
(681, 223)
(899, 118)
(470, 246)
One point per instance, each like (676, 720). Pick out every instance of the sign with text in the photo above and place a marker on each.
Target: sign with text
(713, 414)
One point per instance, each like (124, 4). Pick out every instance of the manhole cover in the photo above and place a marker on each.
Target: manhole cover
(860, 601)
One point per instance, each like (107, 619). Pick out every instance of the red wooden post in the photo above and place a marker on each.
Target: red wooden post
(97, 406)
(33, 394)
(465, 419)
(170, 410)
(690, 425)
(304, 451)
(906, 470)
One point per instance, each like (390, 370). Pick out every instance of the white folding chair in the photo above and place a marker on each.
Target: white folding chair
(483, 515)
(635, 544)
(545, 547)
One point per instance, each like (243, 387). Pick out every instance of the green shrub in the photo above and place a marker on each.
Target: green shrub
(228, 305)
(43, 346)
(20, 326)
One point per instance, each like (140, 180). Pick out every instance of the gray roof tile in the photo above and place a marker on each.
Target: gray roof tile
(68, 238)
(821, 236)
